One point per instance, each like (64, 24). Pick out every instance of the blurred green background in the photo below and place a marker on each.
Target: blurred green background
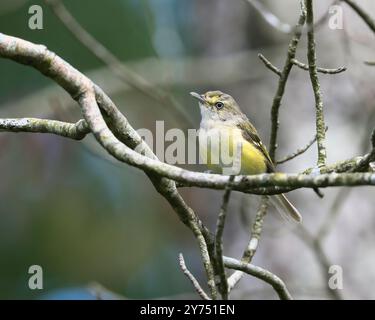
(66, 207)
(79, 216)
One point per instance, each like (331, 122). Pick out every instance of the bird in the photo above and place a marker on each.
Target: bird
(222, 117)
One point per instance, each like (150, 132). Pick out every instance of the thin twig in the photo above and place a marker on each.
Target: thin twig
(191, 277)
(223, 285)
(252, 245)
(256, 230)
(321, 70)
(282, 82)
(298, 152)
(269, 64)
(261, 184)
(311, 57)
(263, 274)
(319, 193)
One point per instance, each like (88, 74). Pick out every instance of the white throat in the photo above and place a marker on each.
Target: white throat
(211, 119)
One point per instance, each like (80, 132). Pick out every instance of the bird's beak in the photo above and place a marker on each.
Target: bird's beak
(198, 96)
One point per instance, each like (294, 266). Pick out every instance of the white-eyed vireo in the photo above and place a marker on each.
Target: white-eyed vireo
(222, 117)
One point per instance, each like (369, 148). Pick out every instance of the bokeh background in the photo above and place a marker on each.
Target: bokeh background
(90, 221)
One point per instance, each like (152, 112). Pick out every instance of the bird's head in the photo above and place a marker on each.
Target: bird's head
(216, 105)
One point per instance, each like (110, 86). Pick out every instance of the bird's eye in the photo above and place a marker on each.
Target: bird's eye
(219, 105)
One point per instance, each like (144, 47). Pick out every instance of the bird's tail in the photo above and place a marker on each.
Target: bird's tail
(285, 208)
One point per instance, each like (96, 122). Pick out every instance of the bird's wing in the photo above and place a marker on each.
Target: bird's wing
(250, 134)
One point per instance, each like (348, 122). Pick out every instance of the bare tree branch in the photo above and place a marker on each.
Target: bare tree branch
(252, 245)
(193, 280)
(311, 57)
(223, 285)
(87, 94)
(318, 69)
(269, 64)
(299, 64)
(76, 131)
(263, 274)
(77, 84)
(107, 139)
(282, 83)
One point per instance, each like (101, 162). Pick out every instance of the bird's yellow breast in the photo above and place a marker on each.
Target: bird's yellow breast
(211, 144)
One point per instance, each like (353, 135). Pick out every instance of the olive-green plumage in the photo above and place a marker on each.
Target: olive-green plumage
(220, 113)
